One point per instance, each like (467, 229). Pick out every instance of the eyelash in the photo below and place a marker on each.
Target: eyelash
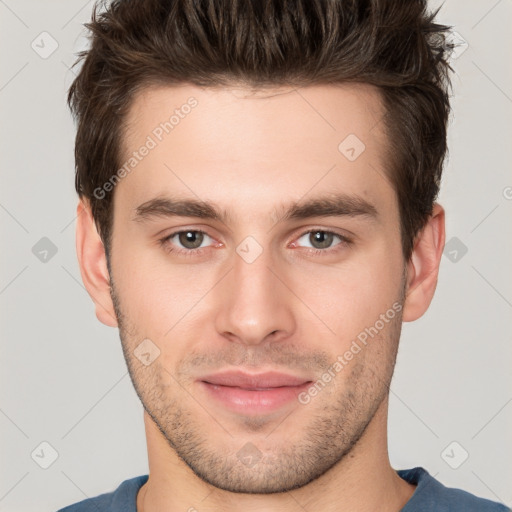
(164, 242)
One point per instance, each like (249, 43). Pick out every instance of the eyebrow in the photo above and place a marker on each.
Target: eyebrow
(333, 205)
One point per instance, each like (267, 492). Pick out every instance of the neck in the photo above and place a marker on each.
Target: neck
(362, 481)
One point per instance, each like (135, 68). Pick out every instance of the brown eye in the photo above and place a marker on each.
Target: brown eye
(191, 239)
(321, 240)
(186, 242)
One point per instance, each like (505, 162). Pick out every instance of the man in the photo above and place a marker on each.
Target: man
(257, 215)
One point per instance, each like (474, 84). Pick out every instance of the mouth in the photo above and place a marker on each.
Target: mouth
(253, 393)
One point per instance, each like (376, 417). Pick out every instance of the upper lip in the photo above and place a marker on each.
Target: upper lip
(255, 380)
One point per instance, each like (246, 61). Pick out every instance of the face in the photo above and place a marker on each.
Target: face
(260, 325)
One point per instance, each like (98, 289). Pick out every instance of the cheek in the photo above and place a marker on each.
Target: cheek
(352, 295)
(155, 295)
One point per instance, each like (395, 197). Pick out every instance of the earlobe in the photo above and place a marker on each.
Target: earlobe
(93, 264)
(423, 266)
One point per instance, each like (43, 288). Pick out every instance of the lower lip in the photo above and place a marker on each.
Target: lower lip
(258, 401)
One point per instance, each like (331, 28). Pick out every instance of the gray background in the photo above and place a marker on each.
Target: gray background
(63, 376)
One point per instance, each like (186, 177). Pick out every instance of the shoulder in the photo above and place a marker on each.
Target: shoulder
(432, 495)
(122, 499)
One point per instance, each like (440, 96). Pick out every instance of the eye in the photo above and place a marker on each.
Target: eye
(322, 240)
(186, 241)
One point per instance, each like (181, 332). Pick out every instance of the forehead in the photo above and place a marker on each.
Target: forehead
(238, 143)
(324, 109)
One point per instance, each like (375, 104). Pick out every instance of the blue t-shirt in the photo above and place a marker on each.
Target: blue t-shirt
(430, 496)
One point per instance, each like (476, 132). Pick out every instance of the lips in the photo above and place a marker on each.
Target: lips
(254, 381)
(252, 394)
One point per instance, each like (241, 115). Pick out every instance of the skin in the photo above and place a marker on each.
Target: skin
(289, 310)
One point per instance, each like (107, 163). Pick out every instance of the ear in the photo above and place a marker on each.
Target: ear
(423, 266)
(93, 264)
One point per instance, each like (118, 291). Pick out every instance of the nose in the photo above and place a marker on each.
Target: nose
(254, 303)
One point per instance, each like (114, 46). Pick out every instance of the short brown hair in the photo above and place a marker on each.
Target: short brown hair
(392, 44)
